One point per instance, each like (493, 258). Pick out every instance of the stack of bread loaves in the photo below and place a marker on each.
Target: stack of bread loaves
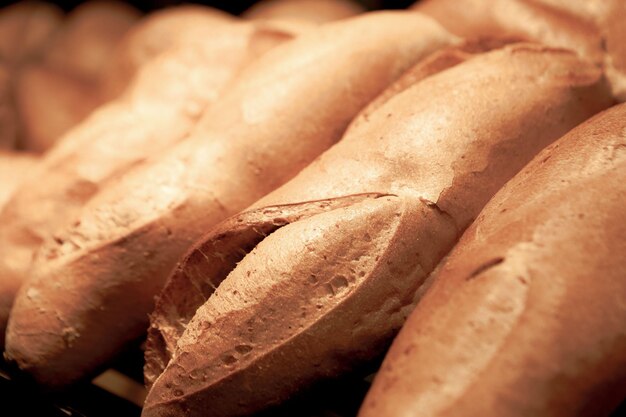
(57, 65)
(268, 198)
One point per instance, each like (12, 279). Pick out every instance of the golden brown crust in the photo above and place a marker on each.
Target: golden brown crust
(521, 18)
(25, 30)
(153, 35)
(206, 266)
(325, 293)
(49, 103)
(231, 240)
(314, 11)
(436, 62)
(526, 315)
(14, 168)
(168, 97)
(593, 28)
(289, 325)
(8, 115)
(57, 64)
(85, 43)
(262, 134)
(586, 94)
(614, 31)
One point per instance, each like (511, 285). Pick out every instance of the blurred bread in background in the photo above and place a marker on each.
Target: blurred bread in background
(25, 30)
(595, 29)
(14, 167)
(54, 66)
(154, 34)
(314, 11)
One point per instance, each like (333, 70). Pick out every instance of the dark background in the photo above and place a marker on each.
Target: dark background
(232, 6)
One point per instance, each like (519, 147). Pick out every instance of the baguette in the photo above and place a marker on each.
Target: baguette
(325, 290)
(8, 115)
(85, 43)
(25, 30)
(102, 273)
(614, 31)
(313, 11)
(177, 305)
(160, 109)
(153, 35)
(14, 168)
(49, 102)
(55, 94)
(594, 29)
(526, 316)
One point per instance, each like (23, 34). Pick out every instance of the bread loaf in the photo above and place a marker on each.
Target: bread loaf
(241, 233)
(614, 31)
(153, 35)
(314, 11)
(160, 109)
(85, 43)
(49, 102)
(523, 18)
(101, 274)
(62, 87)
(8, 115)
(14, 168)
(526, 316)
(25, 30)
(312, 289)
(593, 28)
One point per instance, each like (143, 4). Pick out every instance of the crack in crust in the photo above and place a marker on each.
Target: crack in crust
(485, 267)
(210, 261)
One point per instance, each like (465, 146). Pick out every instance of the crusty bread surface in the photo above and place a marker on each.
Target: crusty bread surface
(593, 28)
(325, 292)
(14, 169)
(154, 34)
(526, 316)
(101, 273)
(160, 109)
